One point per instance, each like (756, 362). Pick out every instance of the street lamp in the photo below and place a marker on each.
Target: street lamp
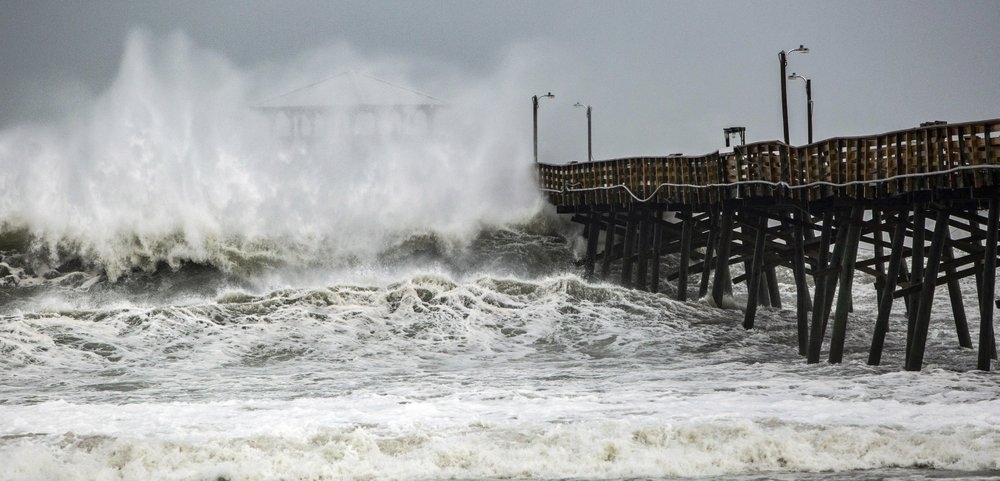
(783, 61)
(534, 104)
(809, 101)
(590, 152)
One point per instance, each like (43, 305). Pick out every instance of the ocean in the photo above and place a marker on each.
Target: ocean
(186, 296)
(439, 372)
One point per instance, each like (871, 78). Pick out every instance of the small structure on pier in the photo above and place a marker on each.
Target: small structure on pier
(731, 132)
(350, 102)
(768, 204)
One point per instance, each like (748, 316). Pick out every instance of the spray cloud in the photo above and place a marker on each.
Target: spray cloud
(171, 163)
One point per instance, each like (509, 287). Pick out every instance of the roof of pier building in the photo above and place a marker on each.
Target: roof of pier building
(351, 91)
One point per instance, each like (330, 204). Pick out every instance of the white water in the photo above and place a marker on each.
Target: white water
(489, 378)
(172, 164)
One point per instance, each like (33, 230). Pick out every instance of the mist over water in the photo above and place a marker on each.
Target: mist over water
(172, 164)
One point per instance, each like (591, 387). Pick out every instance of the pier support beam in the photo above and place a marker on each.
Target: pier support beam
(756, 268)
(915, 358)
(773, 290)
(848, 258)
(820, 278)
(628, 249)
(657, 251)
(609, 245)
(644, 232)
(722, 279)
(593, 234)
(955, 295)
(687, 230)
(706, 270)
(892, 278)
(801, 287)
(916, 273)
(987, 339)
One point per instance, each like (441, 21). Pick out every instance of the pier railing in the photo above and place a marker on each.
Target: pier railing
(935, 157)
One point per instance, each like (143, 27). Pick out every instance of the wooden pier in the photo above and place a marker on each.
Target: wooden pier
(925, 202)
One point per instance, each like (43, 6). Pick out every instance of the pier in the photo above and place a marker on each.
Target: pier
(925, 202)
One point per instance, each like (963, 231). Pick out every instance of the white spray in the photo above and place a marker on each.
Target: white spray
(171, 164)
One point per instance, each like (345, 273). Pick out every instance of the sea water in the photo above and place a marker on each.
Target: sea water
(181, 302)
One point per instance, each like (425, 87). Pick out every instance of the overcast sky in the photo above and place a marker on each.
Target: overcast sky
(662, 76)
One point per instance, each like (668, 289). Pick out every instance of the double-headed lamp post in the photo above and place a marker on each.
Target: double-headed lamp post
(783, 61)
(590, 151)
(809, 102)
(534, 104)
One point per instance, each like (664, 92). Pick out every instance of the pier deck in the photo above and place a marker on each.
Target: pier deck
(809, 208)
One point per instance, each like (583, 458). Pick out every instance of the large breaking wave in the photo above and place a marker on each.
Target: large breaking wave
(172, 165)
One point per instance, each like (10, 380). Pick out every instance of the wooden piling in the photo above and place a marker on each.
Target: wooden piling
(706, 271)
(849, 257)
(593, 233)
(644, 234)
(722, 260)
(609, 245)
(955, 295)
(916, 272)
(836, 264)
(628, 252)
(878, 252)
(687, 230)
(657, 252)
(915, 357)
(801, 287)
(987, 338)
(892, 277)
(820, 280)
(755, 271)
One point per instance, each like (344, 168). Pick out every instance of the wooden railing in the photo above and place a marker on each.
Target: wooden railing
(935, 157)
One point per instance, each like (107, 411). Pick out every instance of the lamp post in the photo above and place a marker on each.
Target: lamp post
(534, 104)
(809, 102)
(590, 151)
(783, 61)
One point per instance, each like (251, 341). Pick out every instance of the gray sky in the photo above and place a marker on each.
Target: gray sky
(662, 76)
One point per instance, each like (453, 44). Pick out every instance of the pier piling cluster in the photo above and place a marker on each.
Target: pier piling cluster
(923, 203)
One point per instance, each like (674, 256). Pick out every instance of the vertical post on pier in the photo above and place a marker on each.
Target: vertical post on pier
(643, 269)
(706, 268)
(609, 245)
(916, 272)
(955, 294)
(849, 256)
(628, 251)
(915, 359)
(801, 287)
(754, 272)
(976, 237)
(657, 251)
(836, 263)
(879, 251)
(987, 339)
(687, 230)
(896, 263)
(593, 235)
(820, 279)
(722, 260)
(892, 278)
(773, 290)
